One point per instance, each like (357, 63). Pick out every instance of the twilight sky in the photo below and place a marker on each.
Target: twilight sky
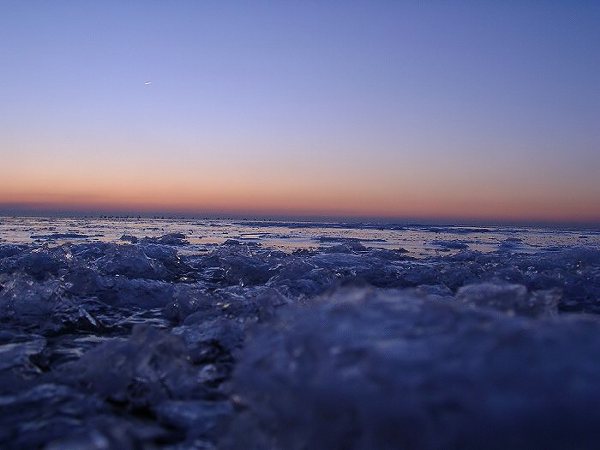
(452, 110)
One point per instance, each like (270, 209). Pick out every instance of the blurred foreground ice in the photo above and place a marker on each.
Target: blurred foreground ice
(156, 343)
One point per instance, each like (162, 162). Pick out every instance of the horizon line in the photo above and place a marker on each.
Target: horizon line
(456, 221)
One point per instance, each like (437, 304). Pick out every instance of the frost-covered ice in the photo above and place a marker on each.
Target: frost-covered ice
(251, 335)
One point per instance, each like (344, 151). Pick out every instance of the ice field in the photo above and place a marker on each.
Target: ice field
(210, 334)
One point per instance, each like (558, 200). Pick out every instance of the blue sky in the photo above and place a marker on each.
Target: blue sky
(449, 109)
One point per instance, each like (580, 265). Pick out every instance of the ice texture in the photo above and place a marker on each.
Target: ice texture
(381, 369)
(163, 341)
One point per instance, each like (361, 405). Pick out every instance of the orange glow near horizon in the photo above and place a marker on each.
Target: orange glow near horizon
(276, 198)
(293, 184)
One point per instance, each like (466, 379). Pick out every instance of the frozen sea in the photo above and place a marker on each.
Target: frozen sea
(238, 334)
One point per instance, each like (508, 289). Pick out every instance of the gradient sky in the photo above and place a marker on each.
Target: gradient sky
(487, 110)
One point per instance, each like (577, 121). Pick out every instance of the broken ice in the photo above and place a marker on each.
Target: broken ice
(187, 334)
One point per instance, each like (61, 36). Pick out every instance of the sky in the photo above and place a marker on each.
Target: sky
(446, 110)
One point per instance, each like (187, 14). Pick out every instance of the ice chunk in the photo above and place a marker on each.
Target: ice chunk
(450, 245)
(510, 298)
(18, 354)
(188, 299)
(208, 340)
(131, 262)
(46, 412)
(129, 238)
(148, 367)
(346, 247)
(26, 300)
(200, 417)
(41, 263)
(8, 250)
(245, 269)
(380, 369)
(167, 239)
(434, 291)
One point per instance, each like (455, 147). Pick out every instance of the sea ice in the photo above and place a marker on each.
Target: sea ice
(158, 342)
(384, 369)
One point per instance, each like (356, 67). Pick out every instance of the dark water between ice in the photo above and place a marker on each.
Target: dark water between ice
(182, 334)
